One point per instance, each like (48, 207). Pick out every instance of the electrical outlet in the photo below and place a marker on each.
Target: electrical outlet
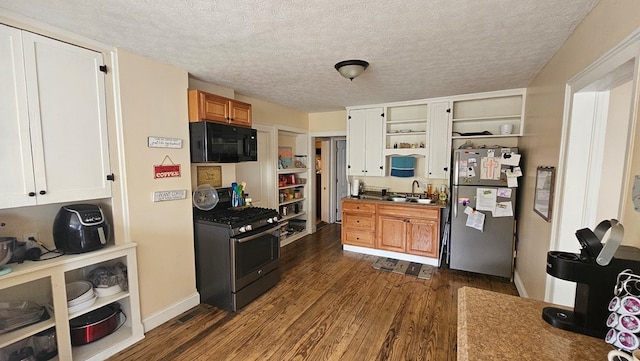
(26, 236)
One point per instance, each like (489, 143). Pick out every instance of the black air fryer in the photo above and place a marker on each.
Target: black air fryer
(80, 228)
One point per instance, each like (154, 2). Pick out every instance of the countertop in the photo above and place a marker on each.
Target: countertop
(495, 326)
(410, 204)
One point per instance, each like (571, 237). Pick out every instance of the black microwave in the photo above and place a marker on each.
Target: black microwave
(221, 143)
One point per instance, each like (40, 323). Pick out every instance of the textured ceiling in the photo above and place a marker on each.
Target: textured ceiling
(283, 51)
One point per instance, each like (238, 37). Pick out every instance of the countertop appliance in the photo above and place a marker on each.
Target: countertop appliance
(221, 143)
(80, 228)
(594, 288)
(491, 250)
(237, 252)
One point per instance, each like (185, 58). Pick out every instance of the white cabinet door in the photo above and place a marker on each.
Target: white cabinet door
(374, 135)
(439, 137)
(16, 172)
(67, 120)
(355, 142)
(364, 142)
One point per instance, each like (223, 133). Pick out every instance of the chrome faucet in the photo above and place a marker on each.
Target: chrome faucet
(415, 182)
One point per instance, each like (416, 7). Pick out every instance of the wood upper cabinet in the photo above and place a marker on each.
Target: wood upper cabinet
(358, 223)
(215, 108)
(408, 230)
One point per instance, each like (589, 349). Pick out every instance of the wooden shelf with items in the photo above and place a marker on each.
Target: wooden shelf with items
(488, 115)
(215, 108)
(44, 283)
(293, 175)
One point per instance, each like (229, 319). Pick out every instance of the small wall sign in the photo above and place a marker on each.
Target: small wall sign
(163, 142)
(210, 175)
(173, 195)
(166, 171)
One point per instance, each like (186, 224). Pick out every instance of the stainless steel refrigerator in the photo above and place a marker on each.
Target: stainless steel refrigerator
(491, 249)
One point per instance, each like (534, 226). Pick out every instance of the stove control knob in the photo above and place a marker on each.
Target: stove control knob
(242, 229)
(275, 219)
(249, 227)
(269, 220)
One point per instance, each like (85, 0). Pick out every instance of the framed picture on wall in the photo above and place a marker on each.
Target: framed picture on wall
(543, 198)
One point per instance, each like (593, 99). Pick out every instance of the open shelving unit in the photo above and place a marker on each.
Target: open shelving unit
(44, 284)
(293, 186)
(486, 113)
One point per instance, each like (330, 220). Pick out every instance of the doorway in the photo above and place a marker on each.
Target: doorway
(597, 148)
(330, 179)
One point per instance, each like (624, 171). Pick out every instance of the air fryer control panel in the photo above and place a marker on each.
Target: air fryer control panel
(88, 217)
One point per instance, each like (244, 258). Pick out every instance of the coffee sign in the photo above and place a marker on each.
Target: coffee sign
(166, 171)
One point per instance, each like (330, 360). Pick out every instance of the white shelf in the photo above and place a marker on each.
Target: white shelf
(292, 170)
(420, 152)
(289, 216)
(496, 118)
(291, 201)
(22, 333)
(100, 302)
(403, 121)
(485, 136)
(292, 186)
(407, 133)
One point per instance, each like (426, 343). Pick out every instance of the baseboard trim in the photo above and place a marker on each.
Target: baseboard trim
(389, 254)
(170, 312)
(522, 291)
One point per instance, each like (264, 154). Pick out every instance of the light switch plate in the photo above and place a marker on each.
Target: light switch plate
(635, 194)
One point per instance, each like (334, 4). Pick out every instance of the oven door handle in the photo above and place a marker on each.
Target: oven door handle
(258, 235)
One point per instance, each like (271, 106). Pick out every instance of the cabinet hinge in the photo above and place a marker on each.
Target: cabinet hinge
(349, 117)
(103, 68)
(382, 115)
(449, 110)
(111, 177)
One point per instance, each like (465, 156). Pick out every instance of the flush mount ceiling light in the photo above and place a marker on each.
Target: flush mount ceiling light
(351, 68)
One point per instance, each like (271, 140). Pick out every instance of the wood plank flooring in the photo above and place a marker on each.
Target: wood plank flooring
(329, 305)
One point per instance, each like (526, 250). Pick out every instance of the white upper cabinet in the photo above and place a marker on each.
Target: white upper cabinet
(439, 159)
(365, 142)
(53, 135)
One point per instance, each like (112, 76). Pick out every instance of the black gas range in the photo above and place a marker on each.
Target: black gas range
(237, 252)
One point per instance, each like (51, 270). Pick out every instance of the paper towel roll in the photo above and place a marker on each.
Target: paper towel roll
(355, 187)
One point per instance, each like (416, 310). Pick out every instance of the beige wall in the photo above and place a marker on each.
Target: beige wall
(154, 103)
(608, 23)
(328, 121)
(274, 114)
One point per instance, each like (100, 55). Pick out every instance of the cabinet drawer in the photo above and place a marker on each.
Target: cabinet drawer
(358, 238)
(409, 211)
(359, 221)
(355, 206)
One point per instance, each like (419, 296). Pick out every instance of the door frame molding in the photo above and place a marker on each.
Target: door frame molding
(578, 158)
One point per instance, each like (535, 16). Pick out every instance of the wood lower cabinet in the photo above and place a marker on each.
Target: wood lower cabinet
(358, 223)
(215, 108)
(408, 229)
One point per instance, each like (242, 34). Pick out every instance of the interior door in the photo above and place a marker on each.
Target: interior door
(342, 184)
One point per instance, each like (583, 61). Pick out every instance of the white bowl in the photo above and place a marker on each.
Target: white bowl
(82, 305)
(399, 199)
(424, 201)
(78, 291)
(107, 291)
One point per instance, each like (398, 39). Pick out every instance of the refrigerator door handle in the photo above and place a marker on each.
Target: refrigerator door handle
(456, 168)
(454, 201)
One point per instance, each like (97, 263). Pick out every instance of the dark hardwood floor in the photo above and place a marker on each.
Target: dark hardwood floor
(329, 305)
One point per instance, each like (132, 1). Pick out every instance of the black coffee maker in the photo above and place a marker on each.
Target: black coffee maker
(595, 280)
